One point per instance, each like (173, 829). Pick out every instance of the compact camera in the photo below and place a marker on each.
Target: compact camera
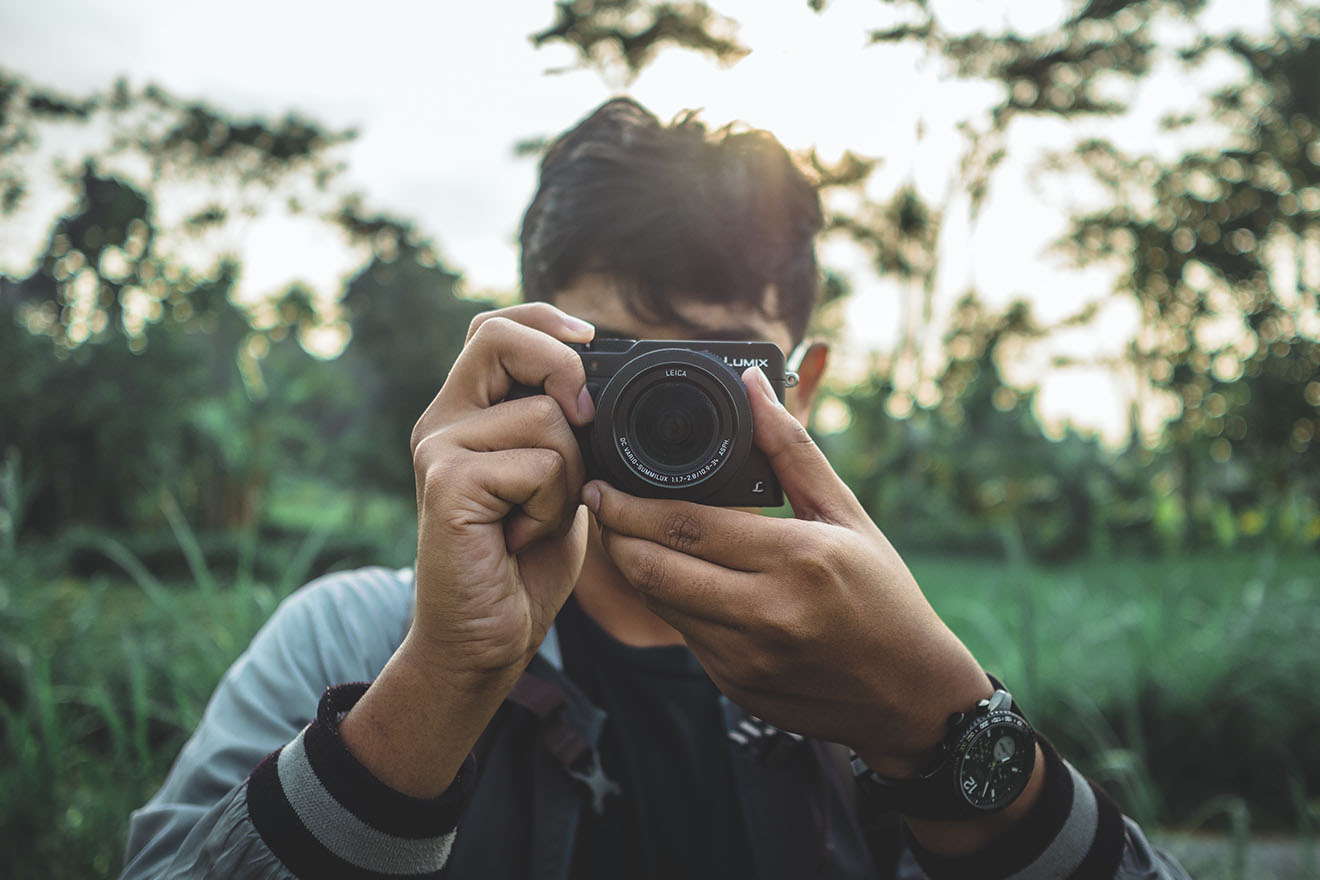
(673, 419)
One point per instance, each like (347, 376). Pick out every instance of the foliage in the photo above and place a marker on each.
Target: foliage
(179, 386)
(115, 262)
(1174, 682)
(942, 478)
(99, 685)
(1218, 249)
(608, 34)
(403, 294)
(143, 395)
(973, 473)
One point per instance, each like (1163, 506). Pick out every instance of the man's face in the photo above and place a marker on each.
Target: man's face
(596, 298)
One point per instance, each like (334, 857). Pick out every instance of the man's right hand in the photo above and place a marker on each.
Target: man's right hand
(501, 540)
(501, 531)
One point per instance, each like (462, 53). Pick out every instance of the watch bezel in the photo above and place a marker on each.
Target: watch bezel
(931, 793)
(1005, 719)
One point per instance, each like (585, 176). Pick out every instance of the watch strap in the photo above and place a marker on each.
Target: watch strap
(934, 793)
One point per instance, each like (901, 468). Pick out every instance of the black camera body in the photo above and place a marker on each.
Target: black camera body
(673, 419)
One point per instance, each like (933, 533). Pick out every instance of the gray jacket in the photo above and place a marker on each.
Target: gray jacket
(264, 789)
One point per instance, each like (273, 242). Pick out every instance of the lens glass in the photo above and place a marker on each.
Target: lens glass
(674, 427)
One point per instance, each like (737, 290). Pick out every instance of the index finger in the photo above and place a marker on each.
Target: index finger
(539, 316)
(502, 353)
(734, 539)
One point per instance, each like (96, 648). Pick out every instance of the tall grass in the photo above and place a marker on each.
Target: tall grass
(101, 680)
(1176, 681)
(1184, 685)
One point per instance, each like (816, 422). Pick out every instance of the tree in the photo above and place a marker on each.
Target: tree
(136, 369)
(1218, 248)
(409, 325)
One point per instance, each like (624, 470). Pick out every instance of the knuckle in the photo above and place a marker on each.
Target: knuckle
(494, 325)
(549, 465)
(571, 361)
(812, 557)
(544, 412)
(799, 442)
(480, 318)
(682, 531)
(423, 452)
(437, 478)
(788, 630)
(415, 439)
(422, 428)
(799, 436)
(648, 572)
(760, 669)
(541, 309)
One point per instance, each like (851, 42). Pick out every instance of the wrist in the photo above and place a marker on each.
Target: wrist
(921, 746)
(448, 672)
(961, 837)
(414, 728)
(981, 767)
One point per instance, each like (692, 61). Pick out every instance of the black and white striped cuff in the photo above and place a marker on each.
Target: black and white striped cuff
(1074, 831)
(324, 815)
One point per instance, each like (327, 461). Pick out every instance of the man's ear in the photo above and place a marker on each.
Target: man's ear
(809, 360)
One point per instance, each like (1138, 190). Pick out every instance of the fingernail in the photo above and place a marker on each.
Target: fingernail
(577, 325)
(591, 497)
(586, 406)
(766, 388)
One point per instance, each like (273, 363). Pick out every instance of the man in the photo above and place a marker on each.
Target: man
(577, 682)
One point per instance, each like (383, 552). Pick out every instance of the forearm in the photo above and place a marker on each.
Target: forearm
(417, 723)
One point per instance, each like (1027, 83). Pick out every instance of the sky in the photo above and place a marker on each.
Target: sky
(439, 97)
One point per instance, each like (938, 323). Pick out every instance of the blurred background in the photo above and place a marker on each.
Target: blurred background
(1072, 267)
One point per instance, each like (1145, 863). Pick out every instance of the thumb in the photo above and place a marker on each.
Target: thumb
(810, 484)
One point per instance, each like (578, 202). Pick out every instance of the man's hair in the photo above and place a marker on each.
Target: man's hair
(673, 212)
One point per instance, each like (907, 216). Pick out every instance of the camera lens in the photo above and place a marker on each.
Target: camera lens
(674, 427)
(674, 420)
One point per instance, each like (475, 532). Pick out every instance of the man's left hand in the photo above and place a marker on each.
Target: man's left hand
(813, 624)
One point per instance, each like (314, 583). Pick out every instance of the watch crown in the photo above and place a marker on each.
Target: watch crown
(1000, 699)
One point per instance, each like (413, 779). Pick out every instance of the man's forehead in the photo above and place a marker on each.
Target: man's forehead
(596, 298)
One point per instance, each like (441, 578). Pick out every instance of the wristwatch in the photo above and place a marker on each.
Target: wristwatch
(984, 763)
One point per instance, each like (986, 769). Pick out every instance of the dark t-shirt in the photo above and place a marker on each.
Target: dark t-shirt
(665, 744)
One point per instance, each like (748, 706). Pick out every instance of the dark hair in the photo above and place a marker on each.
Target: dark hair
(673, 211)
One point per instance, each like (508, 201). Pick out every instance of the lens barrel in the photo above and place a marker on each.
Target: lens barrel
(670, 419)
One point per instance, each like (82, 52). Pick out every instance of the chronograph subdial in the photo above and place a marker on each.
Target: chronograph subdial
(995, 760)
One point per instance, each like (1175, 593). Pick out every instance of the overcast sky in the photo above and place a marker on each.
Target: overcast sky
(440, 96)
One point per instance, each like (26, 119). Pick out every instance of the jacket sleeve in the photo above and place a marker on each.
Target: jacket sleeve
(1073, 831)
(224, 811)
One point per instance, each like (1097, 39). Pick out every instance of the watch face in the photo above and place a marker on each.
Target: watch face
(995, 759)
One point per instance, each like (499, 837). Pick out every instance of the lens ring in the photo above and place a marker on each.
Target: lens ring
(614, 439)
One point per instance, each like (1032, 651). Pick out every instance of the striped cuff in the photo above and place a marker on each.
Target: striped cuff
(1074, 831)
(324, 815)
